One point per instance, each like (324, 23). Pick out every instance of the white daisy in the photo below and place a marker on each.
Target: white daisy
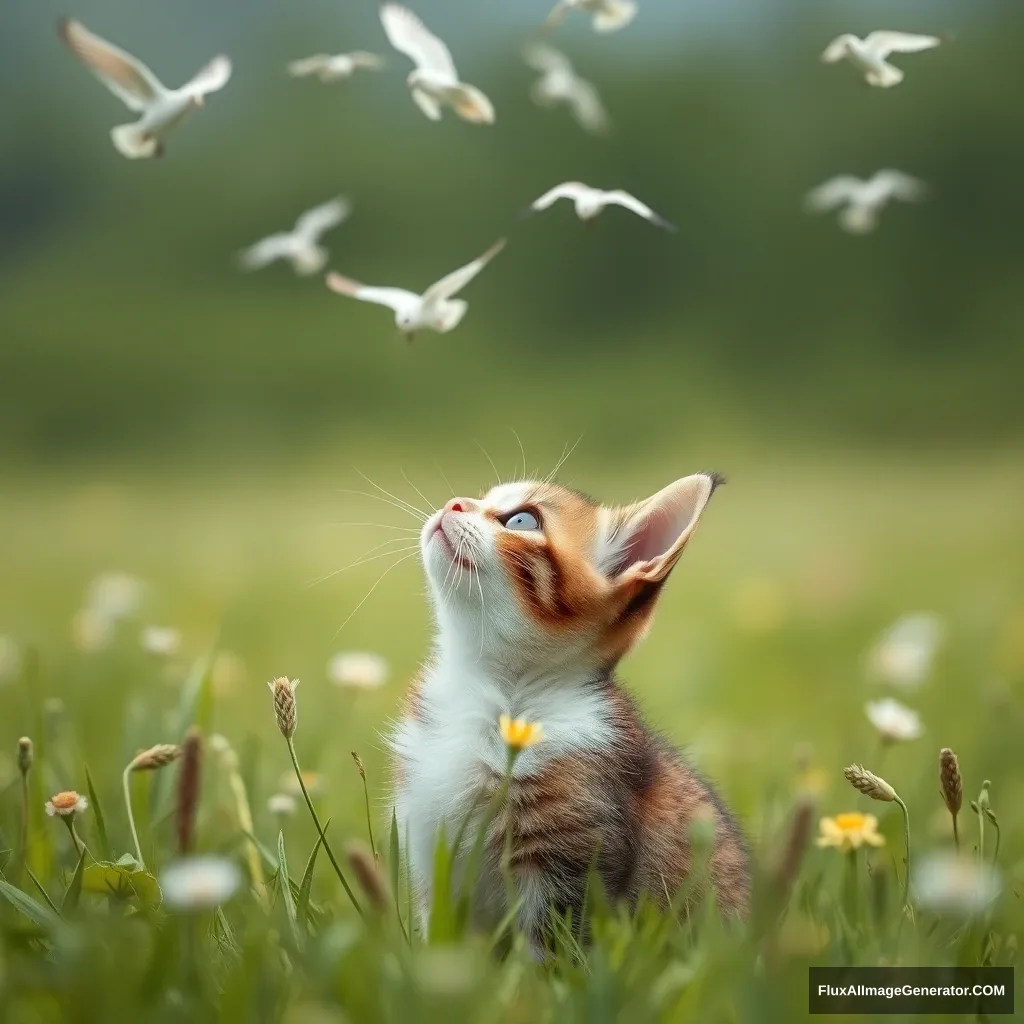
(949, 884)
(894, 721)
(904, 653)
(199, 883)
(162, 641)
(282, 804)
(66, 803)
(360, 670)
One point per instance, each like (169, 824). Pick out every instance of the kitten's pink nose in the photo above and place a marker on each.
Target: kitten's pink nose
(457, 505)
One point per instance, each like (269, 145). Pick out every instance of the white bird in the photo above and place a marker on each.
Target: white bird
(869, 54)
(589, 202)
(436, 309)
(434, 83)
(159, 108)
(300, 244)
(559, 83)
(333, 67)
(607, 15)
(863, 199)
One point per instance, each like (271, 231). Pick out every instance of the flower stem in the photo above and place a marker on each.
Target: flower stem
(956, 835)
(126, 785)
(369, 818)
(23, 845)
(80, 848)
(906, 842)
(320, 830)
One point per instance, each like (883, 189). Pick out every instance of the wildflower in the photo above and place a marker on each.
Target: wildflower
(156, 757)
(360, 670)
(25, 755)
(904, 653)
(199, 883)
(283, 689)
(518, 734)
(163, 641)
(115, 595)
(364, 867)
(850, 831)
(282, 804)
(66, 804)
(869, 784)
(91, 631)
(894, 721)
(10, 659)
(951, 786)
(960, 886)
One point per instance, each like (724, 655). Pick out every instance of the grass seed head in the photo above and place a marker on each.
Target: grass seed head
(951, 782)
(869, 783)
(368, 875)
(156, 757)
(359, 765)
(283, 689)
(189, 777)
(26, 755)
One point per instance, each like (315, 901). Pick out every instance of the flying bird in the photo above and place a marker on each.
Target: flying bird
(436, 309)
(862, 200)
(333, 67)
(158, 107)
(434, 82)
(559, 83)
(869, 54)
(606, 15)
(589, 202)
(299, 245)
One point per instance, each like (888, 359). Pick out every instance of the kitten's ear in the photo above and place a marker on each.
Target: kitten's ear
(648, 537)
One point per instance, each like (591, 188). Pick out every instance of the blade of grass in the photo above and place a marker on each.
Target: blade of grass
(102, 840)
(306, 885)
(74, 891)
(46, 917)
(286, 892)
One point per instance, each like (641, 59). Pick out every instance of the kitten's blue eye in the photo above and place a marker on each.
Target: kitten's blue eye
(522, 521)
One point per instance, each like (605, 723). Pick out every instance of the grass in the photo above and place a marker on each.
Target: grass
(756, 661)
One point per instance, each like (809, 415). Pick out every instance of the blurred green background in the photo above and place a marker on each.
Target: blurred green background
(164, 414)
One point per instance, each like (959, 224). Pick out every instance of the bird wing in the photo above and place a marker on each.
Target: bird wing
(567, 190)
(587, 107)
(831, 193)
(458, 279)
(210, 78)
(836, 50)
(410, 36)
(546, 59)
(308, 65)
(125, 76)
(362, 59)
(626, 199)
(265, 251)
(898, 184)
(884, 43)
(398, 299)
(313, 223)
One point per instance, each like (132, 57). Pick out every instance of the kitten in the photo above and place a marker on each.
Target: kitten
(538, 591)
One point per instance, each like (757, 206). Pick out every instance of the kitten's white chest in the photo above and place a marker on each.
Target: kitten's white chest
(452, 745)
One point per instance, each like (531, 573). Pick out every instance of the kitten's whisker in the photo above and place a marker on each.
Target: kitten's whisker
(348, 619)
(380, 526)
(447, 482)
(363, 559)
(497, 475)
(430, 504)
(415, 513)
(408, 504)
(522, 451)
(561, 461)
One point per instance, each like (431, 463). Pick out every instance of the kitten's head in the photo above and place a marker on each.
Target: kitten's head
(534, 574)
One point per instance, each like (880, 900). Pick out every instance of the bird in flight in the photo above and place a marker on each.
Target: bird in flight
(299, 245)
(869, 54)
(158, 107)
(862, 200)
(589, 202)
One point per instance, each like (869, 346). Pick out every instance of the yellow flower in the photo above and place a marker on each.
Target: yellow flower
(850, 831)
(519, 734)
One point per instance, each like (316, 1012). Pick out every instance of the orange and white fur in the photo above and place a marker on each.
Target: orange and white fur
(538, 592)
